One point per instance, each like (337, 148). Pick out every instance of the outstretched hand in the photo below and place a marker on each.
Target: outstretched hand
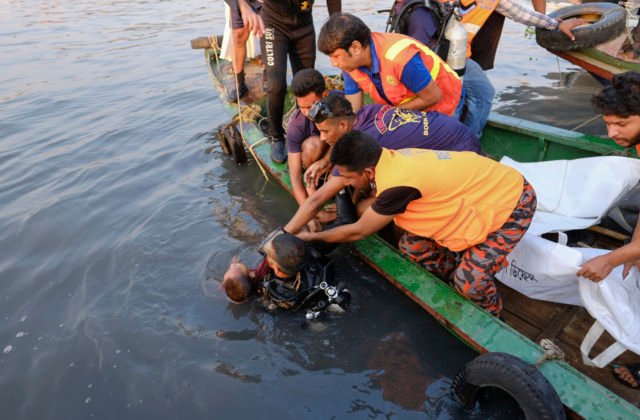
(315, 171)
(566, 26)
(596, 269)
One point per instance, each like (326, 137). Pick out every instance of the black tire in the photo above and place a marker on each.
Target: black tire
(611, 22)
(524, 383)
(237, 146)
(222, 137)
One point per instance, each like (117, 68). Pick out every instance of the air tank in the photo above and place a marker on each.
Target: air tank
(458, 39)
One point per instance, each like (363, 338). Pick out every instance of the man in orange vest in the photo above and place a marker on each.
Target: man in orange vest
(462, 213)
(394, 69)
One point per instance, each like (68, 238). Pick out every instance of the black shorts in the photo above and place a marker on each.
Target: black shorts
(236, 16)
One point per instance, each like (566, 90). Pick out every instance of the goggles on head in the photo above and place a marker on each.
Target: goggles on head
(320, 112)
(266, 243)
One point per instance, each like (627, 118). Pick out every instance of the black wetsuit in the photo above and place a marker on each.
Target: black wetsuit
(288, 31)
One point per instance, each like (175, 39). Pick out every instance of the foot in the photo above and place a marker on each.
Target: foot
(235, 95)
(278, 151)
(628, 375)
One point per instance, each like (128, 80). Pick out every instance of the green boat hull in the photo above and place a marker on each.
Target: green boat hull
(523, 141)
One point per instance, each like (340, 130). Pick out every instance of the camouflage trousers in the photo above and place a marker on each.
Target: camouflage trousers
(472, 270)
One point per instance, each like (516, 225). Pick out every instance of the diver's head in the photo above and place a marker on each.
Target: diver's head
(285, 254)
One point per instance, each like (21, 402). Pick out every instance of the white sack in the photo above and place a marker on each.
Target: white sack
(583, 188)
(544, 270)
(615, 304)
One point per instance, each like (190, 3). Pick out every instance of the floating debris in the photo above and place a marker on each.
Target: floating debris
(7, 349)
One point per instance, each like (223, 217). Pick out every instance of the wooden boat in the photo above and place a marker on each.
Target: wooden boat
(585, 392)
(602, 60)
(606, 59)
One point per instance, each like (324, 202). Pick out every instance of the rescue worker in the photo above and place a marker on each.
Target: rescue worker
(288, 32)
(421, 22)
(240, 34)
(393, 128)
(393, 69)
(291, 276)
(462, 216)
(619, 105)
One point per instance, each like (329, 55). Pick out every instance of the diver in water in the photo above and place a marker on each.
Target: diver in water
(291, 276)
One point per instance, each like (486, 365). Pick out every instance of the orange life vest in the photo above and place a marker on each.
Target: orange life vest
(394, 51)
(465, 196)
(474, 14)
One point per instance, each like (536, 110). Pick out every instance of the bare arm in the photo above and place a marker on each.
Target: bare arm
(295, 172)
(356, 100)
(598, 268)
(312, 205)
(426, 98)
(369, 223)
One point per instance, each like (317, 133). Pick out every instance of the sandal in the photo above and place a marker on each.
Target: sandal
(634, 370)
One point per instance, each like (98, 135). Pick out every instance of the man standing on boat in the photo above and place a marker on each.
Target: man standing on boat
(462, 213)
(619, 105)
(483, 20)
(394, 69)
(240, 34)
(288, 32)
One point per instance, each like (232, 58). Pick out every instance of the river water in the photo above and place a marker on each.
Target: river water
(119, 214)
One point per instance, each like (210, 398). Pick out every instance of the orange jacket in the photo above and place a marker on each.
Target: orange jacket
(465, 196)
(393, 52)
(474, 14)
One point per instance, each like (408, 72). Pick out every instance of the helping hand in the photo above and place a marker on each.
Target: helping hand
(567, 25)
(315, 171)
(596, 269)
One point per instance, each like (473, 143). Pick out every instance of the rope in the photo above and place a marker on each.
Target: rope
(585, 123)
(551, 352)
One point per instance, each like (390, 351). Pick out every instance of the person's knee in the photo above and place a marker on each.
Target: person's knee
(240, 36)
(313, 149)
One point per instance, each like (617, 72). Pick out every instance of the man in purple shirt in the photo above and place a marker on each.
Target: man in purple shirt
(393, 128)
(303, 142)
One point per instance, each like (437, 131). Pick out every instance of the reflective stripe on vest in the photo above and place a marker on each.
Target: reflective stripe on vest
(474, 14)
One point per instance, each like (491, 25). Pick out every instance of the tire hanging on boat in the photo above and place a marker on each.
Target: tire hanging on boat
(535, 396)
(608, 21)
(231, 142)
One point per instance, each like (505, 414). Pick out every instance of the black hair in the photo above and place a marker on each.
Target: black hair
(289, 253)
(338, 105)
(306, 81)
(340, 30)
(356, 151)
(622, 98)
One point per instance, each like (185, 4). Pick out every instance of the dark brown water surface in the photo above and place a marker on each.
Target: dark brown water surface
(116, 226)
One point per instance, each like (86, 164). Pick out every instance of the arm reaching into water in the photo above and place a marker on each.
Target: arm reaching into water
(314, 203)
(368, 224)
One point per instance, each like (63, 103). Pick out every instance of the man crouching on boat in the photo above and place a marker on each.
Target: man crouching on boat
(462, 213)
(393, 128)
(619, 105)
